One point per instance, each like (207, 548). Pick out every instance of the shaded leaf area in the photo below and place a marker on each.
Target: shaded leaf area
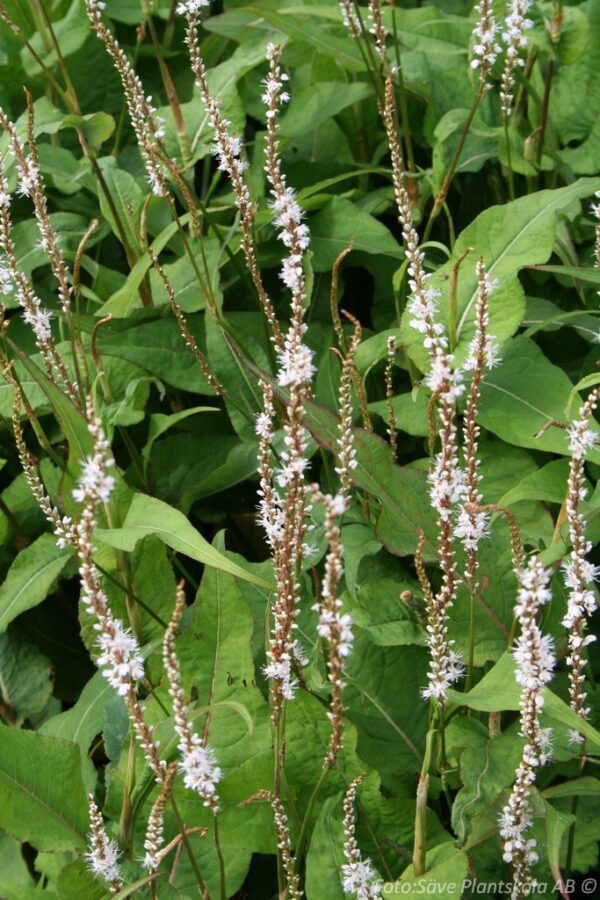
(185, 442)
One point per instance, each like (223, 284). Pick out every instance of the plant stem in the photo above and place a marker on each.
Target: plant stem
(307, 815)
(511, 187)
(453, 299)
(443, 191)
(220, 858)
(184, 838)
(410, 157)
(544, 114)
(420, 837)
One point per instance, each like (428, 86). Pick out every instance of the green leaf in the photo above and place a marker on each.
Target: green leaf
(384, 702)
(128, 199)
(31, 577)
(344, 51)
(557, 826)
(71, 419)
(14, 872)
(523, 395)
(342, 222)
(97, 127)
(508, 238)
(159, 349)
(579, 787)
(148, 515)
(498, 690)
(160, 423)
(84, 721)
(578, 273)
(444, 865)
(43, 800)
(487, 767)
(546, 484)
(25, 676)
(326, 854)
(379, 611)
(319, 102)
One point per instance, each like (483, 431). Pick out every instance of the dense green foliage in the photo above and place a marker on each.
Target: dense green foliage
(184, 506)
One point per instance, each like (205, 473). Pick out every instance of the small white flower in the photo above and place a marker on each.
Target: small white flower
(360, 879)
(192, 7)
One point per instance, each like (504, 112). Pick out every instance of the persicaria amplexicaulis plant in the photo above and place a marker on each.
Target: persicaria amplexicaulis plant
(299, 504)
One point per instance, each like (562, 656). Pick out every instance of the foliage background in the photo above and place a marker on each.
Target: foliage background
(64, 730)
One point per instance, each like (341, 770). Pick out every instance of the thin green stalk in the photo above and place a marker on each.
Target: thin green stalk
(443, 191)
(184, 838)
(126, 818)
(471, 657)
(279, 744)
(544, 113)
(410, 157)
(172, 97)
(307, 815)
(509, 171)
(220, 858)
(453, 299)
(420, 833)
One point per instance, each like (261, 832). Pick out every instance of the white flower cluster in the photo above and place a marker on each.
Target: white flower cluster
(581, 439)
(442, 379)
(360, 880)
(423, 306)
(335, 624)
(445, 664)
(199, 767)
(102, 856)
(485, 47)
(28, 175)
(295, 359)
(514, 37)
(471, 527)
(148, 126)
(280, 668)
(516, 24)
(192, 7)
(535, 661)
(120, 659)
(579, 573)
(350, 18)
(483, 344)
(39, 319)
(359, 876)
(446, 479)
(94, 482)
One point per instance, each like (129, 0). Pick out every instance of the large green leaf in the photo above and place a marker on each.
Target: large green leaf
(159, 349)
(508, 238)
(30, 578)
(84, 721)
(319, 102)
(498, 690)
(25, 677)
(148, 515)
(523, 395)
(326, 854)
(43, 800)
(445, 865)
(339, 224)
